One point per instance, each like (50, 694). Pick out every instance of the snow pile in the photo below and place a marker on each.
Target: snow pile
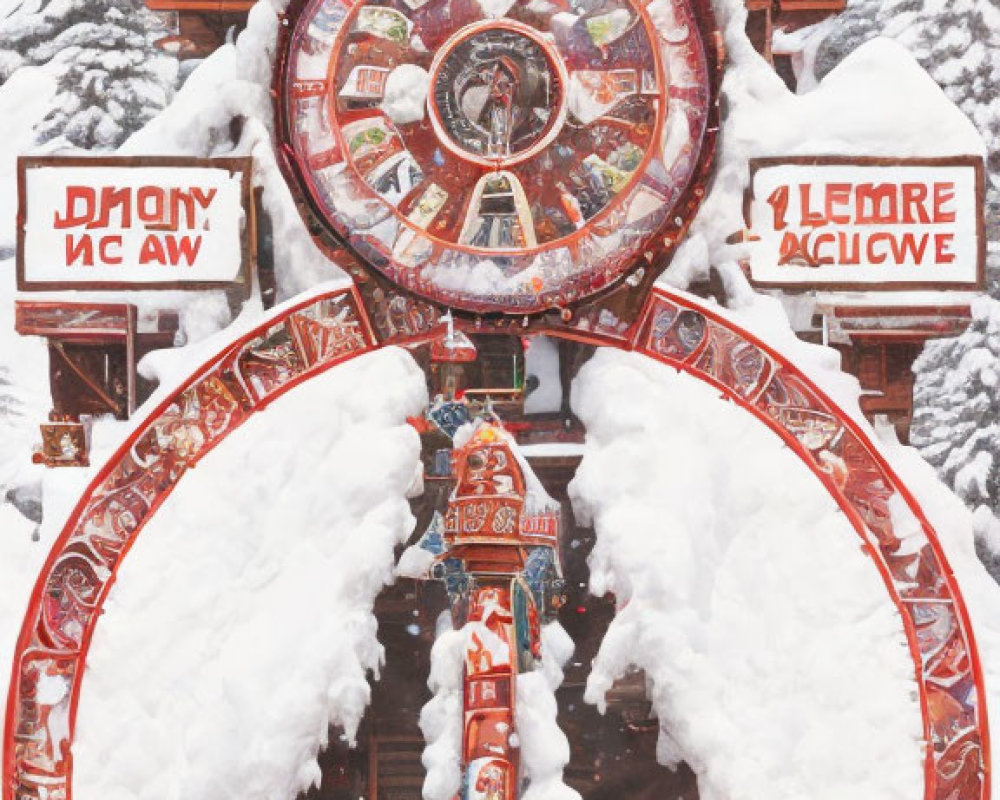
(405, 97)
(240, 626)
(778, 667)
(24, 400)
(543, 746)
(19, 565)
(803, 46)
(441, 716)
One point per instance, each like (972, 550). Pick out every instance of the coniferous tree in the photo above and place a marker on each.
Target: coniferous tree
(956, 423)
(958, 43)
(111, 78)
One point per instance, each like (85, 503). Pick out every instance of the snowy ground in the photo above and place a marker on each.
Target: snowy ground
(778, 667)
(240, 626)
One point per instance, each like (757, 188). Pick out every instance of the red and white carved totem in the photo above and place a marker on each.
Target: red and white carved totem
(499, 560)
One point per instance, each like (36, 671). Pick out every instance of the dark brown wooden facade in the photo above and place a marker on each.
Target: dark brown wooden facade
(878, 345)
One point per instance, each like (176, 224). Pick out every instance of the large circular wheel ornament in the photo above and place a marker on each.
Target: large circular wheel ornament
(497, 155)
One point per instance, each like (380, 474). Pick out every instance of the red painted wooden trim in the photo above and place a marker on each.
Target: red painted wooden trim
(749, 391)
(962, 310)
(226, 363)
(711, 347)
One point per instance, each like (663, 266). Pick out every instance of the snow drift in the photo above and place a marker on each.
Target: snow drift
(777, 665)
(240, 627)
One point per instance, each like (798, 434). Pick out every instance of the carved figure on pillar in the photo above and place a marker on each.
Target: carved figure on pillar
(497, 551)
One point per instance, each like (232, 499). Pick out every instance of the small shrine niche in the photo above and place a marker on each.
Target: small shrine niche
(478, 367)
(878, 345)
(526, 380)
(93, 352)
(90, 378)
(195, 28)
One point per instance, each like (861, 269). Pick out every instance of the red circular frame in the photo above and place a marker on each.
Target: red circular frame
(640, 223)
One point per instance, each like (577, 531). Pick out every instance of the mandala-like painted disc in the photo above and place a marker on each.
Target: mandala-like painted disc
(496, 155)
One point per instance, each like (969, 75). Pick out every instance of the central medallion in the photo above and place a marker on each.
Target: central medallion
(497, 93)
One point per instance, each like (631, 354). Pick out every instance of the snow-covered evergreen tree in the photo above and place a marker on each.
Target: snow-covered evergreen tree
(111, 78)
(956, 422)
(957, 42)
(956, 412)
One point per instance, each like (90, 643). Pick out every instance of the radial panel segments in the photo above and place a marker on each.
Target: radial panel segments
(496, 155)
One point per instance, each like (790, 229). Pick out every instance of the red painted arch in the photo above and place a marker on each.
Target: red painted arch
(301, 340)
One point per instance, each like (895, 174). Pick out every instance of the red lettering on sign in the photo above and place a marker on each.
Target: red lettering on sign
(811, 218)
(943, 193)
(838, 194)
(74, 196)
(821, 240)
(779, 202)
(181, 201)
(850, 248)
(105, 249)
(204, 199)
(112, 198)
(914, 197)
(908, 242)
(791, 248)
(182, 247)
(876, 204)
(81, 248)
(149, 205)
(942, 248)
(152, 250)
(878, 258)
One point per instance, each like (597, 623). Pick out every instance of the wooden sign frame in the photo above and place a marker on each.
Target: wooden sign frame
(976, 162)
(248, 236)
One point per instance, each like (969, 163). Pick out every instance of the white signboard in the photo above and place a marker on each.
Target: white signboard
(112, 223)
(866, 223)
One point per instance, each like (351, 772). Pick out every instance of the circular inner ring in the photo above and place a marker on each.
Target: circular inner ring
(497, 93)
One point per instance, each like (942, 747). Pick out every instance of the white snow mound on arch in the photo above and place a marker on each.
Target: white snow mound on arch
(240, 626)
(778, 666)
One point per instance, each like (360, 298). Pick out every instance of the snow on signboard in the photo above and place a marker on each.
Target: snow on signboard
(866, 222)
(114, 223)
